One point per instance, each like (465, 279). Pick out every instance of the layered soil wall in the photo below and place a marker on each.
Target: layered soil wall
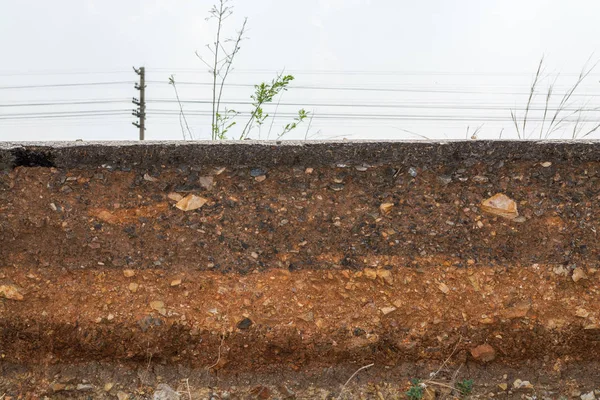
(253, 258)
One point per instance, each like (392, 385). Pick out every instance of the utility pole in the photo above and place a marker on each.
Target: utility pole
(140, 112)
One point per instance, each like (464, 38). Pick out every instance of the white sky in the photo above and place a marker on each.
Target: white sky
(438, 67)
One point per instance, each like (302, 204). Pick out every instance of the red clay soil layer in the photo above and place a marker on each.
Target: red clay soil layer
(298, 266)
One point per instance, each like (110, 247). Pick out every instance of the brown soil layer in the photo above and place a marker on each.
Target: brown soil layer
(300, 269)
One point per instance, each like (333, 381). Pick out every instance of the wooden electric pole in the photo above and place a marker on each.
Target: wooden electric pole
(140, 112)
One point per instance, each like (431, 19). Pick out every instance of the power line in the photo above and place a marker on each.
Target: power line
(65, 103)
(371, 89)
(363, 105)
(66, 85)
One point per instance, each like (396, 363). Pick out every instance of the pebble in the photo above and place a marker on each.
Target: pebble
(501, 205)
(133, 287)
(361, 168)
(128, 273)
(546, 164)
(503, 386)
(108, 386)
(10, 292)
(582, 312)
(412, 171)
(175, 196)
(560, 270)
(519, 384)
(386, 207)
(159, 306)
(254, 172)
(445, 179)
(336, 187)
(308, 171)
(578, 274)
(191, 202)
(480, 179)
(150, 178)
(206, 182)
(387, 310)
(122, 395)
(386, 276)
(260, 178)
(165, 392)
(244, 324)
(176, 282)
(370, 273)
(86, 386)
(444, 288)
(588, 396)
(484, 353)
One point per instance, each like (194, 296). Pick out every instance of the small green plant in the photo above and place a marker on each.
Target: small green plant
(465, 387)
(222, 53)
(416, 390)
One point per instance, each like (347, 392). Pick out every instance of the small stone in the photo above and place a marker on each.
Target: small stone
(370, 273)
(336, 187)
(503, 386)
(110, 317)
(588, 396)
(445, 179)
(500, 205)
(560, 270)
(412, 171)
(53, 207)
(444, 288)
(107, 216)
(361, 168)
(133, 287)
(206, 182)
(578, 274)
(260, 178)
(122, 395)
(254, 255)
(57, 387)
(176, 282)
(159, 306)
(520, 219)
(519, 310)
(387, 310)
(582, 312)
(519, 384)
(108, 386)
(128, 273)
(308, 171)
(82, 386)
(165, 392)
(244, 324)
(546, 164)
(480, 179)
(175, 196)
(10, 292)
(385, 207)
(386, 276)
(150, 178)
(308, 317)
(484, 353)
(191, 202)
(254, 172)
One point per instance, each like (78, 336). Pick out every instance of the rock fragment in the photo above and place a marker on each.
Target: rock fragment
(191, 202)
(501, 205)
(484, 353)
(10, 292)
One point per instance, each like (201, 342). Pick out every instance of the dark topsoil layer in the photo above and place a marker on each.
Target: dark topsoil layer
(326, 219)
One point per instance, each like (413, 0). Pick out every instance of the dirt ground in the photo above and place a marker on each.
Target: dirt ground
(295, 277)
